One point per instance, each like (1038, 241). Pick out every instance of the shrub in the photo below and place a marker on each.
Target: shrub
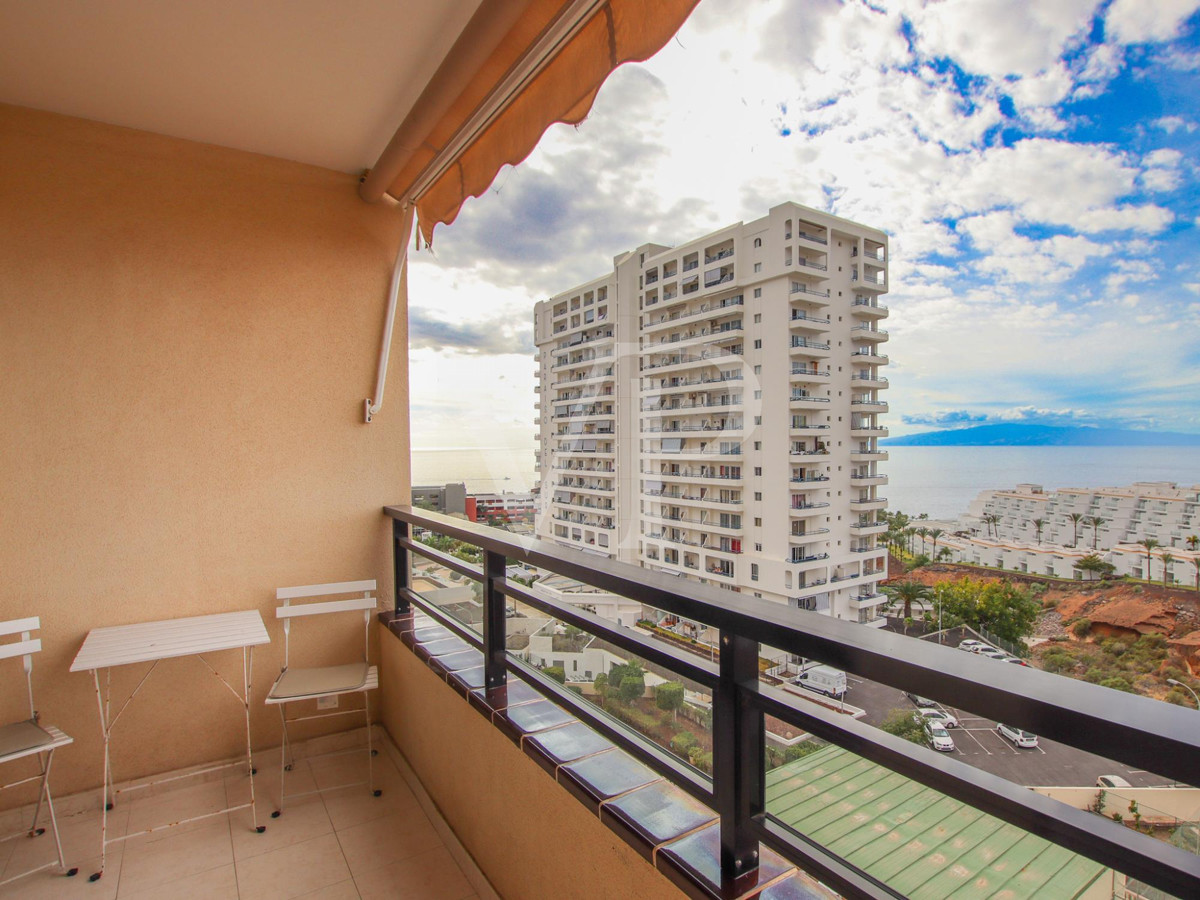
(1117, 683)
(558, 673)
(632, 687)
(669, 696)
(901, 723)
(683, 743)
(1178, 697)
(1081, 627)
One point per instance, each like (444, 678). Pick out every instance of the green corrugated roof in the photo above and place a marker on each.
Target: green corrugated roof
(921, 842)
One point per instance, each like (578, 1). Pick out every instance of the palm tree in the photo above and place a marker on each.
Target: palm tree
(1038, 525)
(924, 533)
(907, 592)
(908, 533)
(1095, 522)
(1193, 541)
(1196, 563)
(1149, 544)
(1076, 518)
(1166, 559)
(992, 520)
(934, 534)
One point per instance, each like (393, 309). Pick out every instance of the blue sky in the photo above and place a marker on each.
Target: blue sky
(1034, 163)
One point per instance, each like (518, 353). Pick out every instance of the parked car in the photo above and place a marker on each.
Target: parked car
(936, 715)
(993, 653)
(1015, 660)
(919, 700)
(981, 647)
(1017, 736)
(971, 645)
(938, 737)
(1112, 781)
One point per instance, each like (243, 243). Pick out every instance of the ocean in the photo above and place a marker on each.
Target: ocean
(940, 481)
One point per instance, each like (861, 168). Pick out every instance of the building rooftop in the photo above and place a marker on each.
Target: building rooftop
(917, 840)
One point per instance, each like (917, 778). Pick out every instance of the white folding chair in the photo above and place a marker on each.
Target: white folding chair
(28, 738)
(296, 684)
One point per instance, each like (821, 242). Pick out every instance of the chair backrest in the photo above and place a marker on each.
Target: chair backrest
(25, 647)
(307, 592)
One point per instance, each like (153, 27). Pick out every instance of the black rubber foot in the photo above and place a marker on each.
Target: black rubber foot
(37, 832)
(95, 876)
(261, 828)
(254, 771)
(374, 752)
(275, 815)
(108, 806)
(71, 873)
(378, 793)
(288, 767)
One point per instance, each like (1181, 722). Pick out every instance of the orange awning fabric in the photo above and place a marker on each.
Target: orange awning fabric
(566, 66)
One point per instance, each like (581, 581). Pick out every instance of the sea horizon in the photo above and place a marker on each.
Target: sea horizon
(939, 481)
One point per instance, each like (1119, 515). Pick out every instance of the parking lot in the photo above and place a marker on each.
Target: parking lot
(976, 742)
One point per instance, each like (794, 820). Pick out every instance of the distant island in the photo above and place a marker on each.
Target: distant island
(1018, 435)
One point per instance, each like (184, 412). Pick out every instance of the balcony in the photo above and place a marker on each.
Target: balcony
(525, 707)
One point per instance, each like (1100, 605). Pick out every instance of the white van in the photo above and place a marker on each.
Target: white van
(824, 680)
(1112, 781)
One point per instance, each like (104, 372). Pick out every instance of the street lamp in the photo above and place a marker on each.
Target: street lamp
(1186, 688)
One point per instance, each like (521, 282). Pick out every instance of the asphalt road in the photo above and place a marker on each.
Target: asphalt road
(976, 742)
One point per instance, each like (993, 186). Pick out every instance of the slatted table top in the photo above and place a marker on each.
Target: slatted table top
(121, 645)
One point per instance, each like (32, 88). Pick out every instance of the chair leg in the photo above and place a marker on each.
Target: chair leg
(284, 765)
(45, 791)
(370, 746)
(37, 809)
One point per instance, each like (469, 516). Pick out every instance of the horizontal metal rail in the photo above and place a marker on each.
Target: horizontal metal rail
(1141, 732)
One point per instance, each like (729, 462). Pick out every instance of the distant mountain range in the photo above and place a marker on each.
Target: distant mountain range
(1018, 435)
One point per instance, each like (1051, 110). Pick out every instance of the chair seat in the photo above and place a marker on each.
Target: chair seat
(296, 684)
(23, 738)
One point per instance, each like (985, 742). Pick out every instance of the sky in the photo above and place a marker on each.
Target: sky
(1035, 165)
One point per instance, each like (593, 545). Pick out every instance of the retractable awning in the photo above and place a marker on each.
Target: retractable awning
(518, 67)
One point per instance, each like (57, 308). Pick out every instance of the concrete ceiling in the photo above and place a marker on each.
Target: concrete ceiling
(325, 82)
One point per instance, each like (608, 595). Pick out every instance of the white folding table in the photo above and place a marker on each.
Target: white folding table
(123, 645)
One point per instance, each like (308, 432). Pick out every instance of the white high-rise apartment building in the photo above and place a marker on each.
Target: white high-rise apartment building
(711, 410)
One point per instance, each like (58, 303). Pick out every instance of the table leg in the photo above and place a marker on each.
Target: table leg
(104, 801)
(247, 680)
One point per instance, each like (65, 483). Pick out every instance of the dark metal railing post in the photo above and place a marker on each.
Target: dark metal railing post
(495, 673)
(401, 567)
(738, 757)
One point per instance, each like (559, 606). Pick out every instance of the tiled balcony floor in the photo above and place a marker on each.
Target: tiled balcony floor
(340, 844)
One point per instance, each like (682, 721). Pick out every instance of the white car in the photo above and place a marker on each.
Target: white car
(972, 645)
(936, 715)
(992, 653)
(938, 737)
(1017, 736)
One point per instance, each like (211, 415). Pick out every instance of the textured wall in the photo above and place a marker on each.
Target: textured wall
(527, 834)
(187, 334)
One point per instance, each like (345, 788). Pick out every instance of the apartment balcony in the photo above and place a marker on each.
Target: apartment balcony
(801, 400)
(806, 374)
(871, 281)
(801, 291)
(867, 431)
(817, 455)
(692, 500)
(718, 256)
(801, 319)
(812, 236)
(868, 455)
(582, 378)
(812, 267)
(685, 475)
(869, 503)
(868, 333)
(869, 308)
(862, 382)
(711, 310)
(799, 510)
(809, 346)
(808, 479)
(807, 562)
(797, 536)
(681, 362)
(862, 480)
(806, 429)
(868, 356)
(869, 406)
(865, 528)
(516, 731)
(710, 524)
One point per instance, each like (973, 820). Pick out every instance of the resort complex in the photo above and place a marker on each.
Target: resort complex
(711, 410)
(1145, 530)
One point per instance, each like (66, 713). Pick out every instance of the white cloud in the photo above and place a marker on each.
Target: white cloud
(1172, 124)
(999, 38)
(1139, 21)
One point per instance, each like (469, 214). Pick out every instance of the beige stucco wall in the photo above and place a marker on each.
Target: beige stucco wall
(187, 334)
(529, 836)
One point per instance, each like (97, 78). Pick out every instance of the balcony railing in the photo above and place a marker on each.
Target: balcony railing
(1141, 732)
